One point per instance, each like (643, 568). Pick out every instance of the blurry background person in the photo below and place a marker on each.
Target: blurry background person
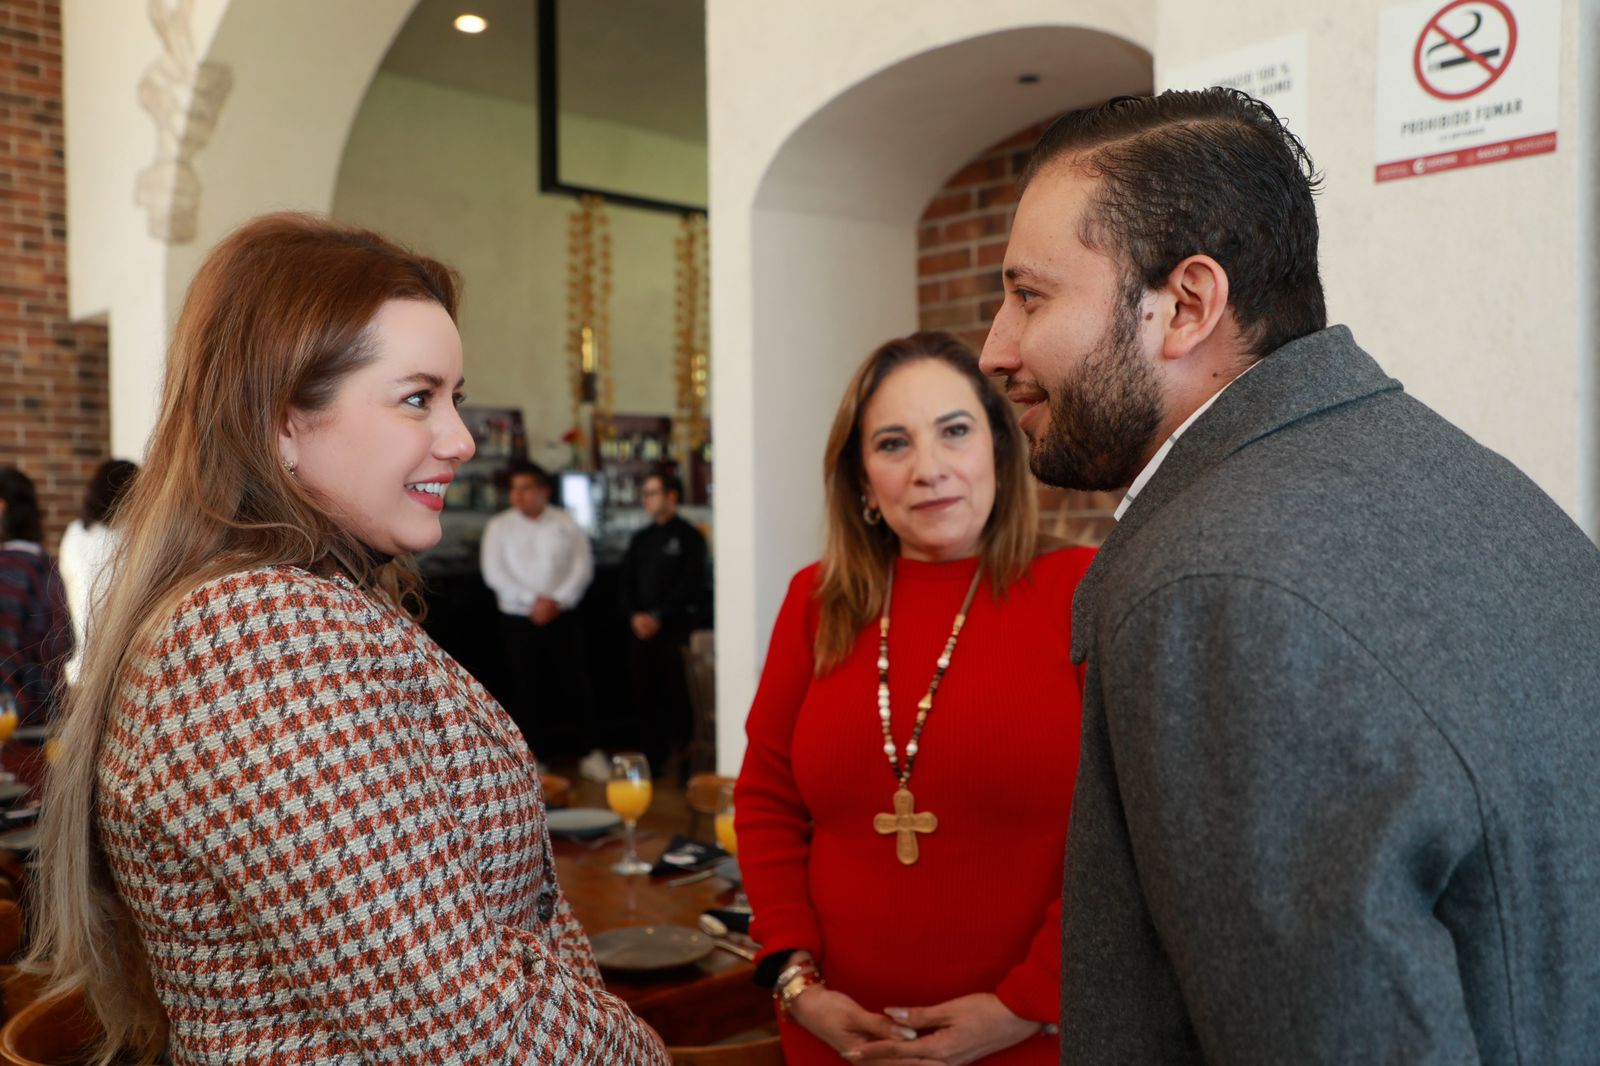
(663, 588)
(912, 746)
(538, 562)
(35, 630)
(338, 887)
(87, 549)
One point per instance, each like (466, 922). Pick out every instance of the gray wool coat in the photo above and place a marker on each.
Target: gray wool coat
(1339, 792)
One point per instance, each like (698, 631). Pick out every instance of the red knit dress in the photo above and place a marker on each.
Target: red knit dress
(980, 911)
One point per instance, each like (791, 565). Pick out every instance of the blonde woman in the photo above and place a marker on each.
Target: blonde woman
(902, 810)
(286, 827)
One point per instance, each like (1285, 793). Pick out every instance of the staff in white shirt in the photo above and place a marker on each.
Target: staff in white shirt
(538, 563)
(88, 548)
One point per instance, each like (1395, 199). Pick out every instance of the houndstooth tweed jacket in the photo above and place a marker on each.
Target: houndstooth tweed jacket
(332, 841)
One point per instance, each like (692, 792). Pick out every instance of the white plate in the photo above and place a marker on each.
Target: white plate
(579, 822)
(642, 948)
(31, 734)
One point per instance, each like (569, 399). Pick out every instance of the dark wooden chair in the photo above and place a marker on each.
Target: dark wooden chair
(557, 790)
(700, 667)
(59, 1031)
(50, 1032)
(767, 1051)
(11, 929)
(19, 990)
(13, 876)
(702, 795)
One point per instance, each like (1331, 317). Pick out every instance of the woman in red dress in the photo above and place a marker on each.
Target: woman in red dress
(902, 810)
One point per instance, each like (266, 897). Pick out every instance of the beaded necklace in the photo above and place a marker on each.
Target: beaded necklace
(906, 822)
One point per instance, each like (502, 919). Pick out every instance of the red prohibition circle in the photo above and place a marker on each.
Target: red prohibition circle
(1495, 72)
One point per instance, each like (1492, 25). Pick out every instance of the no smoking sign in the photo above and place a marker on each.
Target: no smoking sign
(1465, 48)
(1465, 82)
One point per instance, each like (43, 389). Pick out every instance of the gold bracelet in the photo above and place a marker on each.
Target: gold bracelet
(794, 988)
(789, 972)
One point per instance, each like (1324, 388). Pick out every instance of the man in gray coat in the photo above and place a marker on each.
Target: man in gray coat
(1339, 791)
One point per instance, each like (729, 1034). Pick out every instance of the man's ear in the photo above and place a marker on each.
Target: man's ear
(1197, 294)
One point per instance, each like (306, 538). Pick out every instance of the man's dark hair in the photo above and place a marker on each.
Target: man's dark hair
(670, 482)
(1211, 172)
(540, 475)
(105, 491)
(21, 520)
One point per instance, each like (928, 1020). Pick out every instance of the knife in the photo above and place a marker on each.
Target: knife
(728, 945)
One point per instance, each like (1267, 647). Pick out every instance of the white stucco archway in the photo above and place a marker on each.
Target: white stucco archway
(814, 263)
(300, 70)
(830, 122)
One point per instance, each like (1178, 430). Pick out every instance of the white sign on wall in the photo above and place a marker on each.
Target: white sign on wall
(1465, 82)
(1272, 71)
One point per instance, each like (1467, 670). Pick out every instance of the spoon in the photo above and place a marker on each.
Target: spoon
(718, 930)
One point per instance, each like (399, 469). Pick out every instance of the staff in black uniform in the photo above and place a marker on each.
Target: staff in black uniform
(663, 593)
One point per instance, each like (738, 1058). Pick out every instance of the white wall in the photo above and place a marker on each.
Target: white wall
(114, 267)
(452, 172)
(1495, 324)
(299, 71)
(1473, 287)
(800, 383)
(1587, 146)
(861, 113)
(823, 155)
(456, 175)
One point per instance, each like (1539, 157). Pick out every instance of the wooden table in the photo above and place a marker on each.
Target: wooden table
(699, 1004)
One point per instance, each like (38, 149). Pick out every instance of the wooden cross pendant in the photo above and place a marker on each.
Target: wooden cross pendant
(905, 824)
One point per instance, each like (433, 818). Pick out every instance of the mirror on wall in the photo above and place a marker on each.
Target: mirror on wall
(622, 101)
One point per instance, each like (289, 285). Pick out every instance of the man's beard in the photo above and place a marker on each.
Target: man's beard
(1103, 415)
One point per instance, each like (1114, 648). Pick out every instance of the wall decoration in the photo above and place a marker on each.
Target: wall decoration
(692, 348)
(622, 102)
(1275, 71)
(1463, 83)
(185, 99)
(589, 322)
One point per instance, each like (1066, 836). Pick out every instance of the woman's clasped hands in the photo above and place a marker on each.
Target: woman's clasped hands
(953, 1033)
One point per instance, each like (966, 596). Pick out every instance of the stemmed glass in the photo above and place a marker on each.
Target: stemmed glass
(8, 725)
(728, 840)
(628, 794)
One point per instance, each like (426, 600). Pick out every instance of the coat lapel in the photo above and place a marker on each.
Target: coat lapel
(1304, 377)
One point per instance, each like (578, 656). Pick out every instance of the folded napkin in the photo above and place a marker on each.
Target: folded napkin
(736, 919)
(687, 855)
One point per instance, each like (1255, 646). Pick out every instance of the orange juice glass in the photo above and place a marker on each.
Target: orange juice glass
(8, 725)
(628, 793)
(629, 799)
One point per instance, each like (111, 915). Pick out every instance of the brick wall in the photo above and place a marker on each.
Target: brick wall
(961, 244)
(53, 403)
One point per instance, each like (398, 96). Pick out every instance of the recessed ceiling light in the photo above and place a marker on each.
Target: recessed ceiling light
(471, 23)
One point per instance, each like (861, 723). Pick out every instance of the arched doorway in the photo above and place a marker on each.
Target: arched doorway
(831, 271)
(298, 70)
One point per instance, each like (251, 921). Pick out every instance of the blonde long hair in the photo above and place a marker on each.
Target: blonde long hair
(857, 557)
(275, 318)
